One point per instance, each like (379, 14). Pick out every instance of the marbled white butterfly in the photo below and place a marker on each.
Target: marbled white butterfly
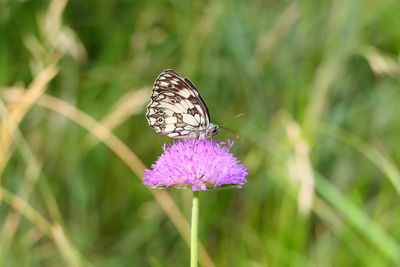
(177, 108)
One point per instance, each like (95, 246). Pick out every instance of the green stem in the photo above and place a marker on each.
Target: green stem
(194, 230)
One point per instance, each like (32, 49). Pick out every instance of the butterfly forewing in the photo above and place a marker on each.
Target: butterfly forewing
(176, 108)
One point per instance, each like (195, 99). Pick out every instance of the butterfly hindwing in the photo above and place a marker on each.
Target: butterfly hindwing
(176, 108)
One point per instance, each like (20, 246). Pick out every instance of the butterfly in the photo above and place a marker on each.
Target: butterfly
(177, 108)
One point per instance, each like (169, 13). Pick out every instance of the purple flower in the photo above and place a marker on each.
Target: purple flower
(196, 164)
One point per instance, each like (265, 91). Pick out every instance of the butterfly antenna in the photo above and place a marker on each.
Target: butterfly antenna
(231, 131)
(234, 117)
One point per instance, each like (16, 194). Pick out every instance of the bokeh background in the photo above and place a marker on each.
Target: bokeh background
(318, 82)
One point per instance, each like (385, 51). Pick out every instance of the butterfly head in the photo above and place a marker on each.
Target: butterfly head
(213, 129)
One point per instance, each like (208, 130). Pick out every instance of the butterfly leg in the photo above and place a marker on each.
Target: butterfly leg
(194, 143)
(212, 144)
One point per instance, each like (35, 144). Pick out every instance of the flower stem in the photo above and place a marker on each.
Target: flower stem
(194, 230)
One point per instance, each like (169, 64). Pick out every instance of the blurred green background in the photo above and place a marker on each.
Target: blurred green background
(318, 82)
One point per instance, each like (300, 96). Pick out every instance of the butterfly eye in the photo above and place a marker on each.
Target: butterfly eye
(160, 112)
(178, 98)
(173, 101)
(160, 119)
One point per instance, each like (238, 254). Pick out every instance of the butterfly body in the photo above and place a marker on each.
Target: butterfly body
(177, 108)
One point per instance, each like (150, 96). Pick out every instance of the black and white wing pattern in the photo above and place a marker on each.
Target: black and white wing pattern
(177, 108)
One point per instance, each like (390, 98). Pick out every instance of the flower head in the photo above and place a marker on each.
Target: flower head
(196, 164)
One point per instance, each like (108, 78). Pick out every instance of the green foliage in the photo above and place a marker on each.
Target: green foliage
(318, 82)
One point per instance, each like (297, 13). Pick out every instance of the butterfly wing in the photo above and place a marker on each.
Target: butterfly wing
(176, 108)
